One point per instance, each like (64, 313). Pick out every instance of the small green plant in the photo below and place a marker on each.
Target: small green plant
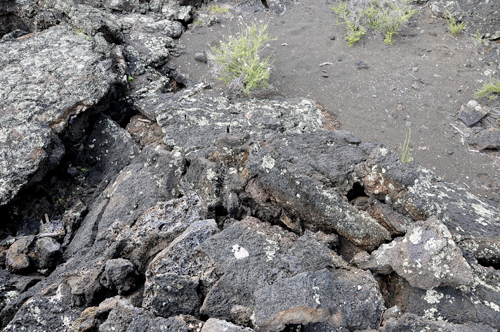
(216, 9)
(197, 22)
(453, 25)
(386, 16)
(130, 78)
(405, 154)
(479, 39)
(60, 200)
(238, 61)
(491, 89)
(83, 170)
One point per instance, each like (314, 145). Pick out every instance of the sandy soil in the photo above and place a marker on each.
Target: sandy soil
(419, 82)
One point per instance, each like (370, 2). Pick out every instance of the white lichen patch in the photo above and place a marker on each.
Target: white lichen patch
(493, 306)
(268, 162)
(416, 235)
(271, 249)
(316, 295)
(239, 252)
(432, 296)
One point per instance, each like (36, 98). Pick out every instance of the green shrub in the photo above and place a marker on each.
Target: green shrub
(491, 89)
(385, 16)
(455, 27)
(238, 61)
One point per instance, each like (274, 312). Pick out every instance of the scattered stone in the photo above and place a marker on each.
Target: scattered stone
(48, 253)
(415, 69)
(472, 113)
(486, 140)
(331, 37)
(201, 57)
(450, 151)
(362, 65)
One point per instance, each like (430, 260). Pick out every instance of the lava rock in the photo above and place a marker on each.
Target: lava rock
(362, 65)
(201, 57)
(48, 253)
(184, 257)
(411, 322)
(486, 140)
(216, 325)
(426, 257)
(472, 113)
(31, 148)
(119, 274)
(17, 259)
(172, 294)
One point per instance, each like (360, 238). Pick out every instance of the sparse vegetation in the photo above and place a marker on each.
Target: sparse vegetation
(405, 154)
(216, 9)
(238, 62)
(386, 16)
(453, 25)
(491, 90)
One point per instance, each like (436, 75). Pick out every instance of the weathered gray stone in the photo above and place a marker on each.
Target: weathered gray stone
(426, 257)
(472, 113)
(394, 222)
(172, 294)
(48, 311)
(65, 78)
(479, 15)
(421, 194)
(47, 252)
(254, 255)
(155, 229)
(108, 150)
(321, 296)
(217, 325)
(184, 257)
(412, 323)
(307, 188)
(488, 139)
(481, 304)
(129, 195)
(147, 323)
(119, 274)
(194, 122)
(17, 259)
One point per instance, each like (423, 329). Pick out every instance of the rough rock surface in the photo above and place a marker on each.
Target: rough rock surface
(480, 15)
(46, 80)
(210, 212)
(426, 257)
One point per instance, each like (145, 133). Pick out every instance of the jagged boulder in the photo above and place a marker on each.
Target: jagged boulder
(426, 257)
(46, 80)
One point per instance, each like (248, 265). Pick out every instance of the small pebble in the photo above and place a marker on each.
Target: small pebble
(374, 96)
(424, 148)
(450, 152)
(362, 65)
(466, 135)
(415, 69)
(332, 37)
(339, 59)
(201, 57)
(408, 123)
(324, 75)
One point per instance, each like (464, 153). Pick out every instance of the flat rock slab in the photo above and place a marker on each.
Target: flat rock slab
(192, 122)
(45, 79)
